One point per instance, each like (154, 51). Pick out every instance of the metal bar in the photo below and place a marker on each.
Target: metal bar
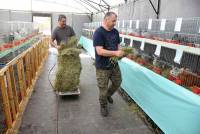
(83, 5)
(97, 3)
(153, 6)
(86, 2)
(61, 4)
(106, 3)
(101, 8)
(85, 13)
(89, 3)
(158, 9)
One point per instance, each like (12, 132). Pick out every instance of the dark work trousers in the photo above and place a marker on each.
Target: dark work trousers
(103, 77)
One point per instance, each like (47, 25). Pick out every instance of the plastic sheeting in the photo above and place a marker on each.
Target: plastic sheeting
(87, 45)
(173, 108)
(72, 6)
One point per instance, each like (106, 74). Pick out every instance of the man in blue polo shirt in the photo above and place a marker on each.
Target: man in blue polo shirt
(106, 42)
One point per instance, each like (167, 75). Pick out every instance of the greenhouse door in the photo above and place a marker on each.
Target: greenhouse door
(43, 22)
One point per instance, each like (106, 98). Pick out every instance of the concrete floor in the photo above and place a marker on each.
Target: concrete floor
(77, 115)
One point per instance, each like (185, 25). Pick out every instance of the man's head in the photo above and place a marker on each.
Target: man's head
(62, 20)
(110, 19)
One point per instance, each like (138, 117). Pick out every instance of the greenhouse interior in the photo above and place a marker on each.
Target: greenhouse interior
(100, 67)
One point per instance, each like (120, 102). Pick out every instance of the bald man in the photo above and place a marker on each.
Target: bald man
(106, 42)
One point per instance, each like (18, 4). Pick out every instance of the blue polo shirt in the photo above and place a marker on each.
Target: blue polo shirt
(109, 40)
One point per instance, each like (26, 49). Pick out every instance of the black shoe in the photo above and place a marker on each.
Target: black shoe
(104, 111)
(110, 100)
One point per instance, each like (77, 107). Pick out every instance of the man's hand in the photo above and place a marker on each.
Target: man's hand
(119, 53)
(58, 47)
(53, 44)
(109, 53)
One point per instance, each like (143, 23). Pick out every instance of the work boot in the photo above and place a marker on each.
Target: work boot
(110, 100)
(104, 111)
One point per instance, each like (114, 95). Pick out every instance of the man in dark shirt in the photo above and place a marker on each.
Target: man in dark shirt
(62, 32)
(106, 42)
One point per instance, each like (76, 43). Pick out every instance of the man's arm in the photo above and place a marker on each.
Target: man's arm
(53, 37)
(118, 38)
(98, 44)
(107, 53)
(53, 44)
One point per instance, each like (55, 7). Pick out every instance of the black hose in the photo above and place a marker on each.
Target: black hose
(57, 115)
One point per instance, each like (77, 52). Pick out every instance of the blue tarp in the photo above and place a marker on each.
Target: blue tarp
(87, 45)
(173, 108)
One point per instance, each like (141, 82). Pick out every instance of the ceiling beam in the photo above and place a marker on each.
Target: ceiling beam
(157, 11)
(77, 1)
(106, 3)
(62, 4)
(89, 4)
(105, 6)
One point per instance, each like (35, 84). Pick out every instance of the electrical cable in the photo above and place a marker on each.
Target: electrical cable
(57, 114)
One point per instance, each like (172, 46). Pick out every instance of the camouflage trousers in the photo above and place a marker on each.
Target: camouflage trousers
(106, 89)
